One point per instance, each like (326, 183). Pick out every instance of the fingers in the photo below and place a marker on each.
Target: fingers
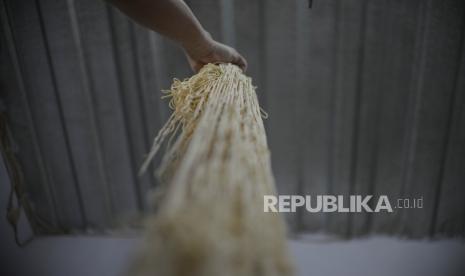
(219, 53)
(240, 61)
(234, 57)
(197, 66)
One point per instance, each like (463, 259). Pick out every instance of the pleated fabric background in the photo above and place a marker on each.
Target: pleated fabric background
(365, 97)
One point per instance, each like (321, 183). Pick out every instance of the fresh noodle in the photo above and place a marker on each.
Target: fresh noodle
(211, 220)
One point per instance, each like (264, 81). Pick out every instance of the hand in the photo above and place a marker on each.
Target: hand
(212, 51)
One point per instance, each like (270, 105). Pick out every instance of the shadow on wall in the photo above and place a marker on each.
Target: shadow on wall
(365, 97)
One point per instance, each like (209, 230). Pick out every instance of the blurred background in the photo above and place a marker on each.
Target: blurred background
(364, 97)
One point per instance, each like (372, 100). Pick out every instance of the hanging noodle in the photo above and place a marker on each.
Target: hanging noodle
(211, 220)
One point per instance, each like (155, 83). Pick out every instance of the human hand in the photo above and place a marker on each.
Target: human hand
(211, 51)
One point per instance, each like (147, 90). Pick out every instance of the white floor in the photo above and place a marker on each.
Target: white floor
(100, 256)
(104, 256)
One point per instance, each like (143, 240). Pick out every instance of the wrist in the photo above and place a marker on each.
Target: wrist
(199, 47)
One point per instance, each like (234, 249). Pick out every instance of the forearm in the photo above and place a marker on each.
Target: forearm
(175, 20)
(171, 18)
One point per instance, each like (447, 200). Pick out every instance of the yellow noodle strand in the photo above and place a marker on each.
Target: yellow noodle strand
(211, 220)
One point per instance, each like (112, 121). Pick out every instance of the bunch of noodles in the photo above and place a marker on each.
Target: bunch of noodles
(211, 219)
